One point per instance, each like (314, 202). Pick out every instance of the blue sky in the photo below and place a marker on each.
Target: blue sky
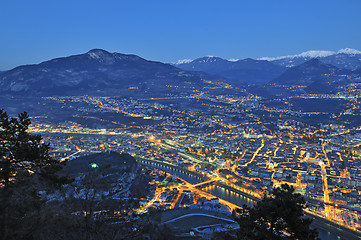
(39, 30)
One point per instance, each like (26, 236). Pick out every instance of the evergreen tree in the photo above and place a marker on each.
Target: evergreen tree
(26, 168)
(279, 216)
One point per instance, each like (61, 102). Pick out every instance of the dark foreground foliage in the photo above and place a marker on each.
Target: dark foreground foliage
(26, 169)
(28, 176)
(278, 216)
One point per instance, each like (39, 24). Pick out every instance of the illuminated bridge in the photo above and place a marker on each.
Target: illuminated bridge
(189, 176)
(206, 183)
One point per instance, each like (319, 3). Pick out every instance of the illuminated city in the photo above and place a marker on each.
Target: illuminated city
(180, 120)
(236, 141)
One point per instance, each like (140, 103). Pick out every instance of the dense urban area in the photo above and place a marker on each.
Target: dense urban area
(238, 142)
(188, 147)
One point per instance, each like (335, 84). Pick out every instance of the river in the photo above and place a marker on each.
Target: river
(239, 200)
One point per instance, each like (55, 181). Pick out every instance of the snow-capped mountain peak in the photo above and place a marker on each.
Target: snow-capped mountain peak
(314, 54)
(349, 51)
(208, 59)
(344, 58)
(205, 59)
(98, 53)
(308, 54)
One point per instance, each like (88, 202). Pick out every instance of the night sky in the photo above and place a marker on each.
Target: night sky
(38, 30)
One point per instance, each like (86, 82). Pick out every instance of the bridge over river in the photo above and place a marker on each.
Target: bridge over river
(327, 230)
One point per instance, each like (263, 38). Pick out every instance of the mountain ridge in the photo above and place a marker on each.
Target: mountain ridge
(344, 58)
(246, 70)
(94, 71)
(296, 59)
(304, 73)
(314, 54)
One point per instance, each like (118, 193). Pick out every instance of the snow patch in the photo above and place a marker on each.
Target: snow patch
(183, 61)
(349, 51)
(94, 55)
(17, 87)
(209, 58)
(233, 60)
(269, 58)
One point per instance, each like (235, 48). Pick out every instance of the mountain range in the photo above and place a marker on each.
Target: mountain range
(104, 73)
(306, 73)
(314, 77)
(247, 70)
(96, 71)
(345, 58)
(264, 70)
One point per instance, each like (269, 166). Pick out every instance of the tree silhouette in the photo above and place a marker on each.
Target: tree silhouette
(26, 168)
(278, 216)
